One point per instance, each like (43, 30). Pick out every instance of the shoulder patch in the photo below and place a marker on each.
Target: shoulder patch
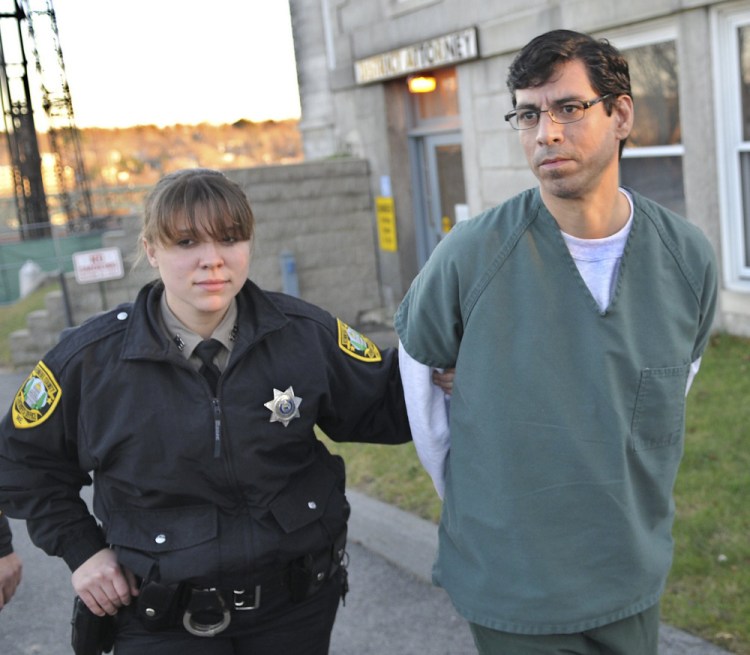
(36, 399)
(357, 345)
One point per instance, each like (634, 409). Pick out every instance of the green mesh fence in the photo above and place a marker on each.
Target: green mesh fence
(51, 255)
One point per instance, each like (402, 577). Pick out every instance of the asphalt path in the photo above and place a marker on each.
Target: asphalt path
(391, 609)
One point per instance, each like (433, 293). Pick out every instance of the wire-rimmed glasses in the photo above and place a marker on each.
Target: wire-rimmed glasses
(569, 111)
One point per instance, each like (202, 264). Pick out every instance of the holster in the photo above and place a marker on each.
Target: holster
(307, 574)
(90, 634)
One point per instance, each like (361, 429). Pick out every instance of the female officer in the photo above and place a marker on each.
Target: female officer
(219, 519)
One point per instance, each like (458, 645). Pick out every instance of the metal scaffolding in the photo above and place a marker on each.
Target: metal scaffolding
(32, 24)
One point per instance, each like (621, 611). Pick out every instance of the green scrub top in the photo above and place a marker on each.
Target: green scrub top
(567, 421)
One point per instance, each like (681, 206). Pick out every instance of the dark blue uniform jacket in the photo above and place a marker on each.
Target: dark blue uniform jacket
(204, 489)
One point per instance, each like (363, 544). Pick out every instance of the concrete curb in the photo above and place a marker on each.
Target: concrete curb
(403, 539)
(410, 542)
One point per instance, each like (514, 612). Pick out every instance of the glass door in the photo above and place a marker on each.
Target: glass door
(441, 173)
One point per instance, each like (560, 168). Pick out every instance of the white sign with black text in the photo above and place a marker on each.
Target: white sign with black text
(98, 265)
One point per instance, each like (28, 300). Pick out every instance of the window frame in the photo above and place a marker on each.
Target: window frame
(657, 33)
(725, 22)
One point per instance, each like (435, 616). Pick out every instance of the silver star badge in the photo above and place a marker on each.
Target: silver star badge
(284, 406)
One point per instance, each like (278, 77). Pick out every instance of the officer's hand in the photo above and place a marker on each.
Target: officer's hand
(10, 577)
(103, 585)
(444, 379)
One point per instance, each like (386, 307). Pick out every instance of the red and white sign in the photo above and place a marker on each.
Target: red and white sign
(98, 265)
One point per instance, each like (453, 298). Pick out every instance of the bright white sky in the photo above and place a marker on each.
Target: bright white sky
(162, 62)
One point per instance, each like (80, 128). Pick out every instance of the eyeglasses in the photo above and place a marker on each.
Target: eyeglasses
(570, 111)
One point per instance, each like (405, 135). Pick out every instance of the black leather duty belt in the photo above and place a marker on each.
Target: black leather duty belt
(207, 611)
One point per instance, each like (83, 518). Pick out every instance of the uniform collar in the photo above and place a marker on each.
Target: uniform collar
(257, 316)
(186, 340)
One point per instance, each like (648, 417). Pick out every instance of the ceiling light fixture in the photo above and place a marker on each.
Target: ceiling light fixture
(421, 83)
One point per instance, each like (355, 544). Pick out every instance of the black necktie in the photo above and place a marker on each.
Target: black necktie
(206, 351)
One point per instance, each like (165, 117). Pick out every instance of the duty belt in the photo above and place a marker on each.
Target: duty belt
(207, 611)
(205, 603)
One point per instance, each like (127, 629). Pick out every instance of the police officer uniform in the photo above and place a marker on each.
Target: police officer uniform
(222, 502)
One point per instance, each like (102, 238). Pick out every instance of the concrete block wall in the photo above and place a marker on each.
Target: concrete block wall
(322, 212)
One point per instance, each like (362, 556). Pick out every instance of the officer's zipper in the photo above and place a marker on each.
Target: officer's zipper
(217, 426)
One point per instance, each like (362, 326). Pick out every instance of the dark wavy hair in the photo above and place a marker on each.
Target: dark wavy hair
(537, 61)
(535, 64)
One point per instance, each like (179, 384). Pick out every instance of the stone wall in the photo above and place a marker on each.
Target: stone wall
(323, 213)
(320, 213)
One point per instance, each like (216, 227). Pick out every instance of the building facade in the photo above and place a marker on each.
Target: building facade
(444, 155)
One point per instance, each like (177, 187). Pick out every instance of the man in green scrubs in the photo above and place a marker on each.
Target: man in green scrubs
(575, 315)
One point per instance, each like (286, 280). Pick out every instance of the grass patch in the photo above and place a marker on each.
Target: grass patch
(708, 589)
(13, 317)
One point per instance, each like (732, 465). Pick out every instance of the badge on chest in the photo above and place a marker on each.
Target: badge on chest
(284, 406)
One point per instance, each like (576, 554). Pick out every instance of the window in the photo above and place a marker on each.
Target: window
(731, 38)
(652, 160)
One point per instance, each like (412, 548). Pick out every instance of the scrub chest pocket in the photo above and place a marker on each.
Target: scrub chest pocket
(659, 414)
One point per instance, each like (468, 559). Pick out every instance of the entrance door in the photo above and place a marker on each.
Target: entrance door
(442, 188)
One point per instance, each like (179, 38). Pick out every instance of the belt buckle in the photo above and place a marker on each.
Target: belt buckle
(239, 601)
(207, 629)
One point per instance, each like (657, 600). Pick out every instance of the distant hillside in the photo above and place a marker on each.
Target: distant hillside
(140, 155)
